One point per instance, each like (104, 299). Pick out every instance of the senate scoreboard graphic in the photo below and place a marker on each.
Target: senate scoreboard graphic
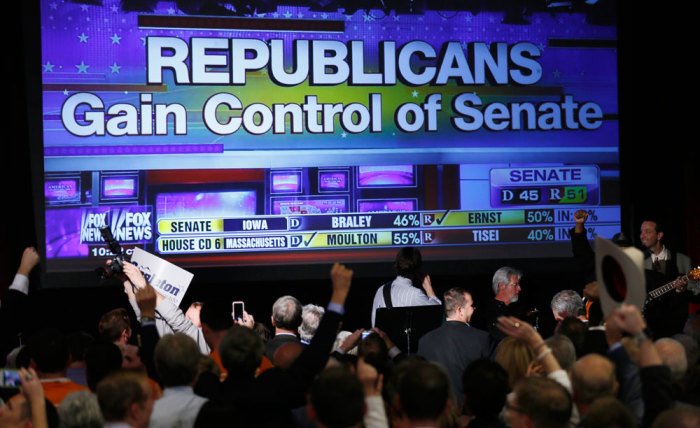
(276, 212)
(338, 231)
(293, 135)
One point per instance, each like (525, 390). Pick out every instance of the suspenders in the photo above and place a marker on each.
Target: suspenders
(386, 289)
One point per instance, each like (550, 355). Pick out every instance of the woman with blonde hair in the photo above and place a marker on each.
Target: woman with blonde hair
(517, 358)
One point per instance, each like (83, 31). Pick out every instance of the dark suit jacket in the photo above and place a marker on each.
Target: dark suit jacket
(277, 341)
(454, 345)
(627, 374)
(486, 316)
(268, 399)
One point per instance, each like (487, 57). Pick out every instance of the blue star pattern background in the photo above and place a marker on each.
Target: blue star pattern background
(102, 50)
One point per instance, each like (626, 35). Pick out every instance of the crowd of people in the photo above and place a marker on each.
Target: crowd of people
(485, 367)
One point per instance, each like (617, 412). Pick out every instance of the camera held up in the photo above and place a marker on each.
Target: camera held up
(117, 264)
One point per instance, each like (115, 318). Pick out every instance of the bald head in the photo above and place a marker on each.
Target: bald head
(672, 354)
(593, 376)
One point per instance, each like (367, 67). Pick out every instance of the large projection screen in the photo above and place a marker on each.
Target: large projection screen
(297, 136)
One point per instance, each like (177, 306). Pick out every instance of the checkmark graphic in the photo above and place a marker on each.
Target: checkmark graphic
(444, 216)
(306, 243)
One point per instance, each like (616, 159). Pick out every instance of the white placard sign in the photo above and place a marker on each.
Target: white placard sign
(168, 279)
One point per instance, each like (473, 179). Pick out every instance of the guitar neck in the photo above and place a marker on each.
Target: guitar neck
(658, 292)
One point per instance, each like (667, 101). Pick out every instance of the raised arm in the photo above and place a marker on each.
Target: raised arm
(291, 385)
(133, 280)
(169, 318)
(629, 319)
(525, 333)
(30, 258)
(34, 393)
(371, 381)
(15, 309)
(657, 390)
(146, 301)
(580, 218)
(581, 248)
(626, 372)
(428, 286)
(341, 278)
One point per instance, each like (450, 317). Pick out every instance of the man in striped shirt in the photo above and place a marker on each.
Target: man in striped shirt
(411, 287)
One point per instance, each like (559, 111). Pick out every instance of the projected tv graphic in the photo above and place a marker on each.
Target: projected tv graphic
(266, 138)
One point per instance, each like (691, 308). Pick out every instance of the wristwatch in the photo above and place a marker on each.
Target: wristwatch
(642, 336)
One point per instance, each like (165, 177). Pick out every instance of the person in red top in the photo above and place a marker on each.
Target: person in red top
(50, 358)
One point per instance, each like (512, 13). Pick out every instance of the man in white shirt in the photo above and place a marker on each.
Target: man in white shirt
(406, 290)
(176, 358)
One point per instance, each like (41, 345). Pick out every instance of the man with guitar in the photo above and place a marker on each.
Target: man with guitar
(659, 258)
(666, 312)
(666, 270)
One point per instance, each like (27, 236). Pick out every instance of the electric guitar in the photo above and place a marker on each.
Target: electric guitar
(693, 275)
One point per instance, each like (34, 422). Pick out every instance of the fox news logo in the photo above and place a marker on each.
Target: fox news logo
(128, 224)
